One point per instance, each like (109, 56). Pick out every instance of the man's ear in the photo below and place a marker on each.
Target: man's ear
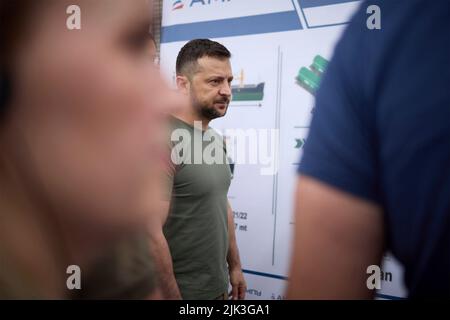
(183, 84)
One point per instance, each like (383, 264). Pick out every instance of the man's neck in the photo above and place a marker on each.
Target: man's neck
(190, 117)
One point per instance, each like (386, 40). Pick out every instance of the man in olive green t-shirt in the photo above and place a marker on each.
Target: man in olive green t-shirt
(194, 249)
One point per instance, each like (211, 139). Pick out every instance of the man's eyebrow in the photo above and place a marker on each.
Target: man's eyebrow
(215, 77)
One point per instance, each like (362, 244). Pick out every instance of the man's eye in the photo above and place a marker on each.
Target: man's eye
(215, 82)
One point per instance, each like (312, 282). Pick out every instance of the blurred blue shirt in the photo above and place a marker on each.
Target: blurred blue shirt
(381, 131)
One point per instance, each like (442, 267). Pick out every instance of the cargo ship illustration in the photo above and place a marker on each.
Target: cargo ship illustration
(247, 92)
(309, 78)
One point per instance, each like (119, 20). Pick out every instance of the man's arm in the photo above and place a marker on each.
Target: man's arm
(237, 279)
(159, 250)
(337, 236)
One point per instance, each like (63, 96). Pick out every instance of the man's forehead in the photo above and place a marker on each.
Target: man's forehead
(211, 65)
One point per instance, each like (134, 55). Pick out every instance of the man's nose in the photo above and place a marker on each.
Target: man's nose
(225, 90)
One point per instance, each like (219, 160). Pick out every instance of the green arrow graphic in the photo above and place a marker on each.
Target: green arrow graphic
(299, 143)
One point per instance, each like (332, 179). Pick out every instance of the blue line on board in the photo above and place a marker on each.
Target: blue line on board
(267, 275)
(257, 24)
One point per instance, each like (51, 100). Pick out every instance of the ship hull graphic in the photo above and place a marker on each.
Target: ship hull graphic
(249, 92)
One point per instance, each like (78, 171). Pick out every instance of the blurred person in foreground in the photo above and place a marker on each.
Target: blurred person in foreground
(375, 173)
(81, 122)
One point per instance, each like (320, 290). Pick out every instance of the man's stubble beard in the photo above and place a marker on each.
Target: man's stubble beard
(207, 111)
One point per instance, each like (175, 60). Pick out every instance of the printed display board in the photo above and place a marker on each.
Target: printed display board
(280, 49)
